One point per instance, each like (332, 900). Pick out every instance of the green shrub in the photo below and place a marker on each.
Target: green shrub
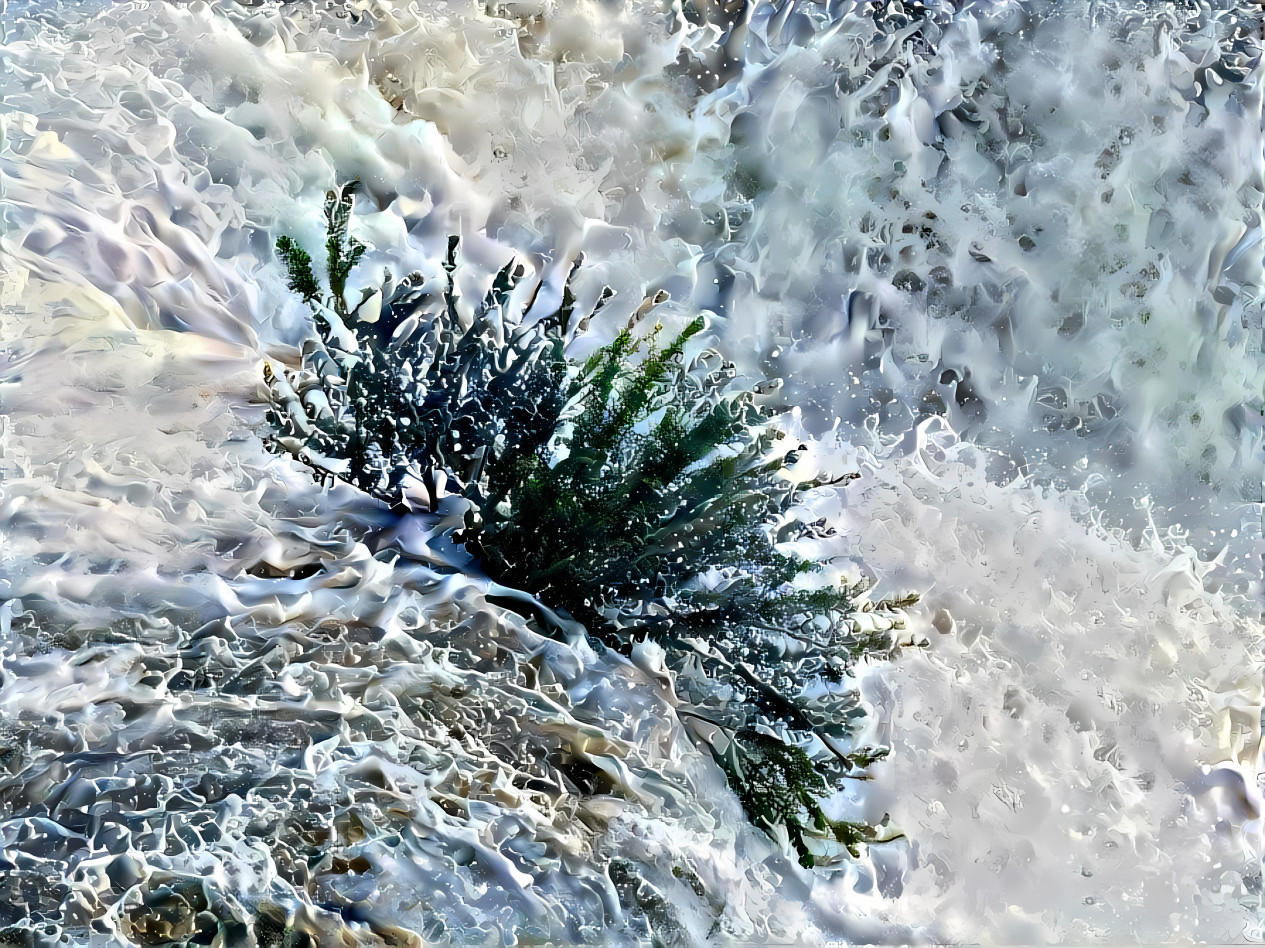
(636, 493)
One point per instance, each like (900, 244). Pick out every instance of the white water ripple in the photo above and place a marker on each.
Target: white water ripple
(1007, 257)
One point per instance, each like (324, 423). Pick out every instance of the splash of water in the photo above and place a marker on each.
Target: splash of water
(1014, 249)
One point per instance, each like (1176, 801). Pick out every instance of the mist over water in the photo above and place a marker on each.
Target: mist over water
(1006, 259)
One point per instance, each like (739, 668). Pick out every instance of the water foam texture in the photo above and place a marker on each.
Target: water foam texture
(1014, 249)
(217, 700)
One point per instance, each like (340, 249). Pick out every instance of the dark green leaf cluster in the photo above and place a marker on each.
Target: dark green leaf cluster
(342, 250)
(400, 389)
(779, 785)
(299, 267)
(635, 492)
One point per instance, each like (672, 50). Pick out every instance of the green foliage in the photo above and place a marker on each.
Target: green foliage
(299, 267)
(396, 390)
(636, 492)
(635, 495)
(341, 249)
(778, 785)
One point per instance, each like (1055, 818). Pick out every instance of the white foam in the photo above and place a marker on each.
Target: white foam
(1076, 752)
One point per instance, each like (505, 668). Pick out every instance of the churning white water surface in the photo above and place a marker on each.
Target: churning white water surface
(1006, 258)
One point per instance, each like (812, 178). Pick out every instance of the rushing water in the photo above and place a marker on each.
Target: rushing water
(1006, 258)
